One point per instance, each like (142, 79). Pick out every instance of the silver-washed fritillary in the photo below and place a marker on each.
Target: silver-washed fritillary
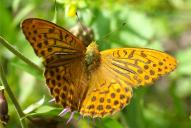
(83, 79)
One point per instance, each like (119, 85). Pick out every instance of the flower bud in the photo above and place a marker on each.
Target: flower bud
(4, 117)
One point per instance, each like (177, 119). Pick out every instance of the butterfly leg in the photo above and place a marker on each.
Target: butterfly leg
(52, 100)
(71, 116)
(79, 118)
(64, 111)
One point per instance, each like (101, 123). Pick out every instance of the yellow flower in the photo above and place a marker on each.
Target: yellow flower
(71, 9)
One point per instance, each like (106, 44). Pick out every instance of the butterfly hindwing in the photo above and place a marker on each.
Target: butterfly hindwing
(106, 94)
(67, 83)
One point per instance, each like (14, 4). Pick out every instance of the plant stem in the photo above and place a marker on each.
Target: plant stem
(18, 54)
(12, 97)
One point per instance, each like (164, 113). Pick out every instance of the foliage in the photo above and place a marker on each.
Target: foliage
(151, 23)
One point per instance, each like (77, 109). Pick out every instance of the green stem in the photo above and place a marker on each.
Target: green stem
(18, 54)
(12, 97)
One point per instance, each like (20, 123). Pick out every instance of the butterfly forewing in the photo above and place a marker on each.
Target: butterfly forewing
(137, 66)
(50, 40)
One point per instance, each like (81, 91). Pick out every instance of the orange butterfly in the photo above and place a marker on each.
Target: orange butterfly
(83, 79)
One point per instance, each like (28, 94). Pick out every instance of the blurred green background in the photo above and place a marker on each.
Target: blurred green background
(158, 24)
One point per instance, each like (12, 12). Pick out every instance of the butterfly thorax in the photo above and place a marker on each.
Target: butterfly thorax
(92, 57)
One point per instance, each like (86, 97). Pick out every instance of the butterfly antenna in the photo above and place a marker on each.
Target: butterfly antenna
(79, 21)
(55, 13)
(108, 34)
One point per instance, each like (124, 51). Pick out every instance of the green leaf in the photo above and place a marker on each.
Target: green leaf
(27, 68)
(46, 110)
(34, 106)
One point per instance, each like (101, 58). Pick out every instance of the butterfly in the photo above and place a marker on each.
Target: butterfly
(83, 79)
